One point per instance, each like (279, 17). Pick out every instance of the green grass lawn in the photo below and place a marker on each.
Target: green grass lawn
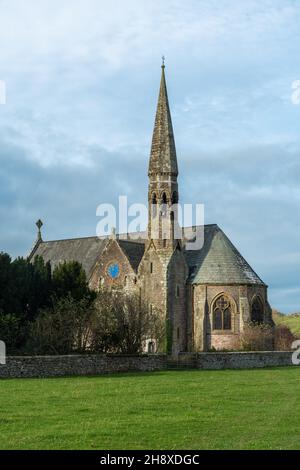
(292, 321)
(248, 409)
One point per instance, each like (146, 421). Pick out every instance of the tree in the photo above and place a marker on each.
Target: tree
(6, 283)
(12, 332)
(64, 328)
(69, 279)
(123, 323)
(31, 286)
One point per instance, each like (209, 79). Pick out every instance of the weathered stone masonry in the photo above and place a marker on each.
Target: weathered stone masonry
(61, 366)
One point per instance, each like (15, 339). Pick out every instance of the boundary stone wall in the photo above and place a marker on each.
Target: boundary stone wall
(61, 366)
(243, 360)
(85, 365)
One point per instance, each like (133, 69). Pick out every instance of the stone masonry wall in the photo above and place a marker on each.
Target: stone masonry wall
(243, 360)
(61, 366)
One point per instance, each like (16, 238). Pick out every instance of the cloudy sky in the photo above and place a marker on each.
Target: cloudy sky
(82, 79)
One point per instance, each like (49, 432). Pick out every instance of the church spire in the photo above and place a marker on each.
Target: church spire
(163, 152)
(163, 186)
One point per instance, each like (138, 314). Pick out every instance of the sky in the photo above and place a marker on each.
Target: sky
(81, 80)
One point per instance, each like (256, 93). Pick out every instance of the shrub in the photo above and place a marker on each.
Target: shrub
(114, 323)
(12, 332)
(257, 337)
(283, 338)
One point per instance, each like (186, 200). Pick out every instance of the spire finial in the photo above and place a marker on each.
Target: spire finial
(163, 62)
(39, 225)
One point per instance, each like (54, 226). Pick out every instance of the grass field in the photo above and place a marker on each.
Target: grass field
(292, 321)
(248, 409)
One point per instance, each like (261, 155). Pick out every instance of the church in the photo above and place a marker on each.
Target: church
(206, 295)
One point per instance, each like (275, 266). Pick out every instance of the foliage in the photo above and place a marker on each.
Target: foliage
(25, 286)
(69, 279)
(291, 320)
(12, 332)
(257, 337)
(28, 287)
(63, 328)
(114, 322)
(123, 323)
(283, 338)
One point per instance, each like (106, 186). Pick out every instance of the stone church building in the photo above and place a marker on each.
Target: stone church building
(206, 295)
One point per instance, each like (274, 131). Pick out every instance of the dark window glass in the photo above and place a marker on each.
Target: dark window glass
(175, 198)
(217, 320)
(154, 205)
(222, 314)
(227, 319)
(257, 311)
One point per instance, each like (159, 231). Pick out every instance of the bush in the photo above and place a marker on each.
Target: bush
(283, 338)
(113, 323)
(257, 337)
(12, 332)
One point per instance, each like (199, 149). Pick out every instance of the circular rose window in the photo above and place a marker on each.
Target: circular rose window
(113, 270)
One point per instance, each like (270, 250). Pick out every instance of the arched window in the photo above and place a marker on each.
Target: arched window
(154, 205)
(222, 314)
(164, 199)
(257, 311)
(164, 202)
(175, 198)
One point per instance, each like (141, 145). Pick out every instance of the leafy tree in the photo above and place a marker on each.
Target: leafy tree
(12, 332)
(122, 323)
(69, 279)
(64, 328)
(31, 286)
(6, 282)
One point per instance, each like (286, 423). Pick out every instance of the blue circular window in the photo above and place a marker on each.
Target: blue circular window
(113, 270)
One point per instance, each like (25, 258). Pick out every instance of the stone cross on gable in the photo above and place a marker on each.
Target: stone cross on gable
(39, 225)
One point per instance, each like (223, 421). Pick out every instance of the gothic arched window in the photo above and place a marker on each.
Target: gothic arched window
(222, 314)
(164, 198)
(257, 311)
(175, 198)
(154, 205)
(164, 202)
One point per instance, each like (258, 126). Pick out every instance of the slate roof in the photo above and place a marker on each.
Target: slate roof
(86, 251)
(134, 252)
(217, 262)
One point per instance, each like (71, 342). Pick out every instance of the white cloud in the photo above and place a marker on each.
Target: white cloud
(295, 98)
(83, 77)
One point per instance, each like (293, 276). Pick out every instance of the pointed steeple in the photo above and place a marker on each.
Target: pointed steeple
(163, 152)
